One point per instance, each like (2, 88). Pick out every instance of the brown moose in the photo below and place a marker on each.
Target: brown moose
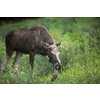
(36, 40)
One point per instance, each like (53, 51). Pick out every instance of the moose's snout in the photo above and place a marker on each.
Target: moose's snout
(58, 67)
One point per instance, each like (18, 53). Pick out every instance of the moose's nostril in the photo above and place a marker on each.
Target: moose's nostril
(58, 67)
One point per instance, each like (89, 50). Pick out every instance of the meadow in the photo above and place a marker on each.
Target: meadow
(79, 52)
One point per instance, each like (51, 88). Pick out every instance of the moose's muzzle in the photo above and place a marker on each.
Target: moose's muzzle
(58, 67)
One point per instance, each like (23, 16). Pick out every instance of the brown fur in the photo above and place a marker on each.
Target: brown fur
(27, 40)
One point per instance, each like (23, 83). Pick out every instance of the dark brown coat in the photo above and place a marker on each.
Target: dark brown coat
(26, 40)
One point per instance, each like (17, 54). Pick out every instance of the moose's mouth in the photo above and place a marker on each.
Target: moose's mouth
(54, 77)
(56, 73)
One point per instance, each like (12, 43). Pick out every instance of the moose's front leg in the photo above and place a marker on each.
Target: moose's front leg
(55, 75)
(32, 55)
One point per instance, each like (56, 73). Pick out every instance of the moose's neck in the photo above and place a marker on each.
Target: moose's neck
(42, 51)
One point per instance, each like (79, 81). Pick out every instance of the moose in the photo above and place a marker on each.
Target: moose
(32, 41)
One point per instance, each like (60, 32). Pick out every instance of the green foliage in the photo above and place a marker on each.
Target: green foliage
(79, 52)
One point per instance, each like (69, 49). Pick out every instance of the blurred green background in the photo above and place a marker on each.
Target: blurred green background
(79, 51)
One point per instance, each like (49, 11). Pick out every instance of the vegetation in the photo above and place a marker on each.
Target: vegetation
(79, 52)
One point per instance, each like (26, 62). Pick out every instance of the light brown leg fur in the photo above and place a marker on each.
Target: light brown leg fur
(16, 61)
(4, 63)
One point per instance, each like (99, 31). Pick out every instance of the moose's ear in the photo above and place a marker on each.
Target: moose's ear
(58, 44)
(45, 45)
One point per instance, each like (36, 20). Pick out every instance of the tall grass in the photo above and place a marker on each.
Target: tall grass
(79, 52)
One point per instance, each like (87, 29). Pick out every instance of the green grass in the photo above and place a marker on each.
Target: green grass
(79, 52)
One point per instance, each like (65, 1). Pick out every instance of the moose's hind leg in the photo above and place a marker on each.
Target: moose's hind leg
(16, 62)
(5, 62)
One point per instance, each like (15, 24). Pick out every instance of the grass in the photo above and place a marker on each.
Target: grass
(79, 52)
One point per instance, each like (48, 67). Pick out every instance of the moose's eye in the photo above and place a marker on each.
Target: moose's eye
(52, 53)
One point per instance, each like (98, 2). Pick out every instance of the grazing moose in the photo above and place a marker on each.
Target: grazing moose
(36, 40)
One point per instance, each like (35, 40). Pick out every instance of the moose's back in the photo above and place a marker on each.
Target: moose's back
(26, 40)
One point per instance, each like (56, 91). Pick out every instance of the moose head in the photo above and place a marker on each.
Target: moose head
(53, 55)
